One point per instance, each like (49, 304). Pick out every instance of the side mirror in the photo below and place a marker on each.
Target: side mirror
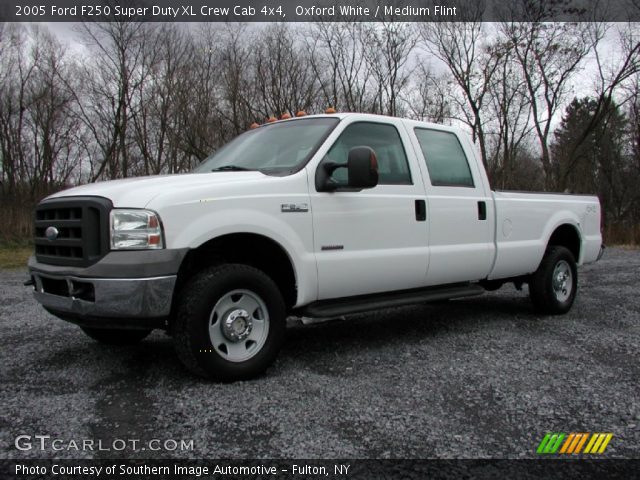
(362, 171)
(362, 168)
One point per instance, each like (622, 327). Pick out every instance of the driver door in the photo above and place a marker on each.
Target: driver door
(372, 240)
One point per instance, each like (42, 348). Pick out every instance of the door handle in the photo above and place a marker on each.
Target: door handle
(482, 210)
(421, 210)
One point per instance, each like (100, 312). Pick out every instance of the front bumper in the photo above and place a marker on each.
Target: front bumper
(128, 289)
(106, 302)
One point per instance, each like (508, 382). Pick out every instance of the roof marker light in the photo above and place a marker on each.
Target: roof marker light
(285, 116)
(330, 110)
(254, 125)
(301, 113)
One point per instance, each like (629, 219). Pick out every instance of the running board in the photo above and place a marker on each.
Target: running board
(365, 303)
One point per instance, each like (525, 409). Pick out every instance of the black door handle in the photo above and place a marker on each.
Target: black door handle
(421, 210)
(482, 210)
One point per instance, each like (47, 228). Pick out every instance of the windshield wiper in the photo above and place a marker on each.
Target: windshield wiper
(232, 168)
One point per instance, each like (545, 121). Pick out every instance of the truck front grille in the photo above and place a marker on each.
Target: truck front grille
(72, 231)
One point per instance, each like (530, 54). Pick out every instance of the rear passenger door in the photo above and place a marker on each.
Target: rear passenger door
(460, 214)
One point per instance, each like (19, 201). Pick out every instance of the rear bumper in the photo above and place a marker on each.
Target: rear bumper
(106, 302)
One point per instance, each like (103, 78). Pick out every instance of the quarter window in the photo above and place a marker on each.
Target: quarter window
(446, 161)
(385, 140)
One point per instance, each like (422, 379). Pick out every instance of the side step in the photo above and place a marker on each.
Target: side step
(364, 303)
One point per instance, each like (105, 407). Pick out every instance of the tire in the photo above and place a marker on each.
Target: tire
(230, 323)
(553, 287)
(110, 336)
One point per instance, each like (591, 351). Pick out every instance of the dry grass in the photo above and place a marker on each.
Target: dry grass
(14, 256)
(622, 235)
(628, 247)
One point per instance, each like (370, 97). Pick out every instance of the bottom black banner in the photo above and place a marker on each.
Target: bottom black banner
(334, 469)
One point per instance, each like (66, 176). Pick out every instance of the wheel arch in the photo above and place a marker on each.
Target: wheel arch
(567, 235)
(245, 248)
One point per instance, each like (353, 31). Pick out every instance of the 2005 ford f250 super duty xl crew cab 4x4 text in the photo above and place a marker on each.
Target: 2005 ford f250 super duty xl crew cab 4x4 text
(318, 216)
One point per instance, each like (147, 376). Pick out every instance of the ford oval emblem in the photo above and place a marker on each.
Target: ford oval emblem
(51, 233)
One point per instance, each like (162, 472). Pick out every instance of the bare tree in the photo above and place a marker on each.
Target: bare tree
(37, 128)
(281, 77)
(549, 54)
(19, 63)
(52, 125)
(110, 81)
(462, 48)
(235, 74)
(389, 48)
(429, 97)
(611, 78)
(339, 63)
(167, 58)
(510, 111)
(200, 129)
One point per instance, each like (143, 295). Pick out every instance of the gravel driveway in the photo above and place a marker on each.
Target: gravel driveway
(479, 377)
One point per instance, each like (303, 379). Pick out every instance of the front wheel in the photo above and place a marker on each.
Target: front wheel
(554, 285)
(230, 322)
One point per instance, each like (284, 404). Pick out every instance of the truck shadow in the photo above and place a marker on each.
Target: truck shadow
(154, 359)
(410, 323)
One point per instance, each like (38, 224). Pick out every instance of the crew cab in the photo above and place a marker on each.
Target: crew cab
(317, 216)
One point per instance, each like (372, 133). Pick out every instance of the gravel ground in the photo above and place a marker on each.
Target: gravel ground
(480, 377)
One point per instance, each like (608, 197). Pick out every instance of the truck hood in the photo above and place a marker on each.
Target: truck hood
(138, 192)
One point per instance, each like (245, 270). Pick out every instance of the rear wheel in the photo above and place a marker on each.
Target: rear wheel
(554, 285)
(230, 322)
(110, 336)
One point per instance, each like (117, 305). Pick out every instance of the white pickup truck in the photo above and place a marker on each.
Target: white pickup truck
(318, 216)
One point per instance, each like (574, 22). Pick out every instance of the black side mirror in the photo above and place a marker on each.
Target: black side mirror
(362, 168)
(362, 171)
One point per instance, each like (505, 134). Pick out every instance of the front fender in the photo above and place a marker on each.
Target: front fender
(292, 231)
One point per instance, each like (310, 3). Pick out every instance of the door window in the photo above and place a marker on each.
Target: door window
(446, 161)
(385, 140)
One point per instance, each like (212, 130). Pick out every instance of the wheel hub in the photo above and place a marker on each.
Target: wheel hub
(561, 281)
(237, 325)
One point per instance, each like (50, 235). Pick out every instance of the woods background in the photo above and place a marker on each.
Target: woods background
(550, 106)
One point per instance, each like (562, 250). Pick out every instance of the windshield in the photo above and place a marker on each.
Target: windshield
(272, 149)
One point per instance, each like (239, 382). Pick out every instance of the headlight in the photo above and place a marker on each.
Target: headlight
(135, 230)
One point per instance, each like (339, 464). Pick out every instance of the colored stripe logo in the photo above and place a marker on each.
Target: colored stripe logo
(573, 443)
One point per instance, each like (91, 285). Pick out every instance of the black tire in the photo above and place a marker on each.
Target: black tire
(197, 317)
(110, 336)
(547, 294)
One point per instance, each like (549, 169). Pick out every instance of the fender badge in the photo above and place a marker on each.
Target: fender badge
(294, 207)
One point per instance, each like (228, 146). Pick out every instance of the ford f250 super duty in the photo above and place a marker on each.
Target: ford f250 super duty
(318, 216)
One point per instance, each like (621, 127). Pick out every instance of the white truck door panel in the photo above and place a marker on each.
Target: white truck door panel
(371, 241)
(461, 211)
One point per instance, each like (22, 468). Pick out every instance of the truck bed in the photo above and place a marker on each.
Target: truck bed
(525, 221)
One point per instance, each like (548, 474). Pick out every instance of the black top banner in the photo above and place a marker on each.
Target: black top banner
(319, 10)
